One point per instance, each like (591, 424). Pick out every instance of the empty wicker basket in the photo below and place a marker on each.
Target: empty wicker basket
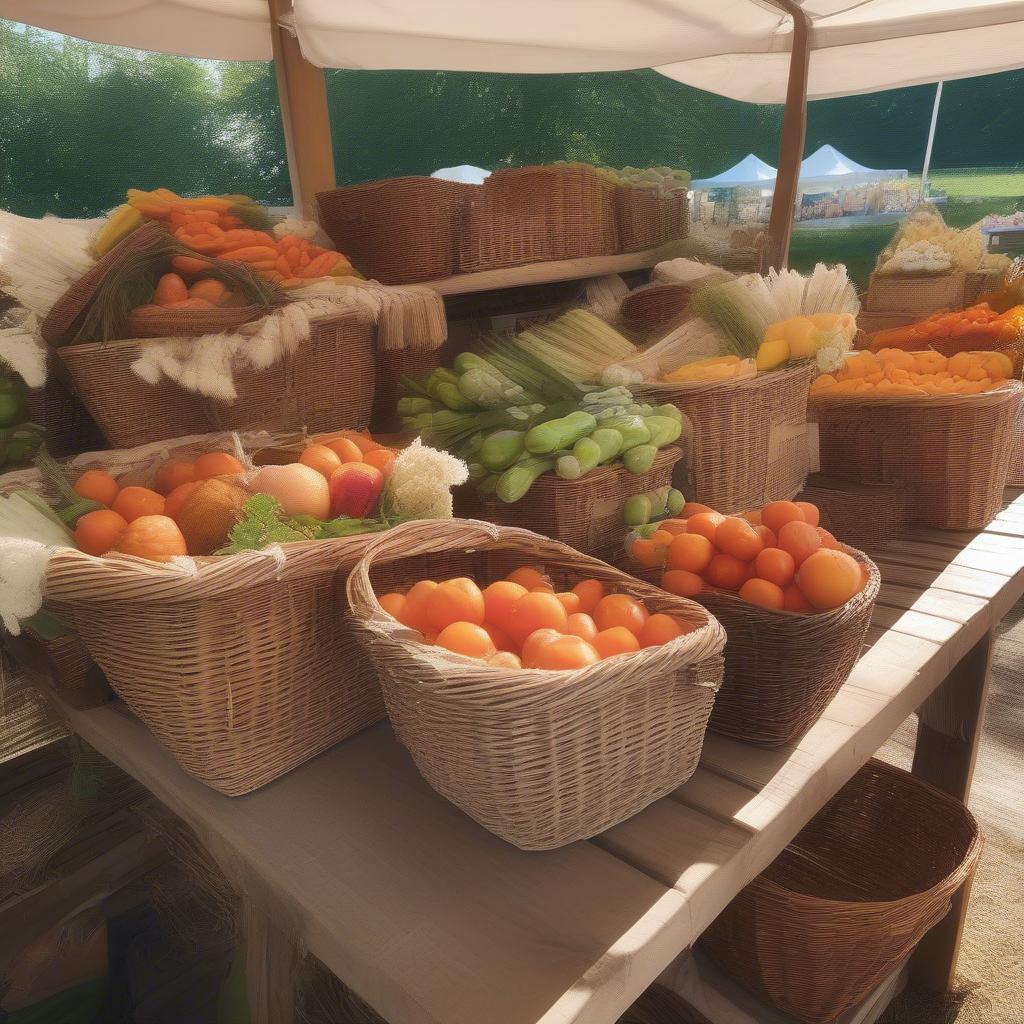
(850, 897)
(539, 758)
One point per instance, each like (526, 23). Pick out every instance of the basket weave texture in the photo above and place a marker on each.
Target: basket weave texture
(62, 663)
(327, 380)
(645, 220)
(585, 514)
(652, 306)
(868, 517)
(950, 454)
(539, 758)
(532, 214)
(1015, 474)
(397, 231)
(849, 898)
(242, 669)
(915, 296)
(392, 366)
(749, 444)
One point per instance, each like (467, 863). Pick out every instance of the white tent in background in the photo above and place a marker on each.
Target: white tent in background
(750, 172)
(467, 174)
(826, 169)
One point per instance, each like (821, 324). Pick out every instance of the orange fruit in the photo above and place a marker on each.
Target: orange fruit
(457, 600)
(690, 551)
(589, 592)
(681, 582)
(648, 554)
(752, 516)
(499, 599)
(800, 540)
(727, 572)
(542, 588)
(504, 659)
(564, 654)
(322, 459)
(661, 628)
(530, 576)
(381, 458)
(617, 640)
(97, 485)
(345, 449)
(620, 610)
(363, 442)
(768, 538)
(414, 614)
(738, 538)
(704, 523)
(570, 601)
(763, 593)
(582, 625)
(176, 499)
(776, 514)
(217, 464)
(155, 537)
(173, 474)
(673, 526)
(794, 600)
(811, 512)
(466, 638)
(693, 508)
(393, 604)
(537, 610)
(98, 532)
(828, 540)
(534, 642)
(775, 565)
(134, 502)
(829, 578)
(662, 537)
(501, 640)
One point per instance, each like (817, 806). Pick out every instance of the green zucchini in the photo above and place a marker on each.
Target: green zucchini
(518, 479)
(640, 459)
(547, 438)
(502, 448)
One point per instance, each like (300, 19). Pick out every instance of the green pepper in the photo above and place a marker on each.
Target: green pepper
(14, 406)
(19, 444)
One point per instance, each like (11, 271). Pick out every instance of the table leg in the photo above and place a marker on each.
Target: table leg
(948, 734)
(270, 965)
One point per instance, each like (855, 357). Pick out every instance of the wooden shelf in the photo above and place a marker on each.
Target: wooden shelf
(545, 273)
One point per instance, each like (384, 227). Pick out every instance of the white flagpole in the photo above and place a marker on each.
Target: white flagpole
(931, 140)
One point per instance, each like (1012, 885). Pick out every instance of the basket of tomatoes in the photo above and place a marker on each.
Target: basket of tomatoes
(795, 603)
(545, 693)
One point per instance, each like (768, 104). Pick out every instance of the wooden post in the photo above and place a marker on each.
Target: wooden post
(307, 125)
(791, 145)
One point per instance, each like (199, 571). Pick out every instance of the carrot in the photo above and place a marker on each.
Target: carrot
(170, 288)
(239, 238)
(191, 215)
(321, 265)
(282, 266)
(252, 254)
(190, 266)
(229, 221)
(202, 237)
(210, 289)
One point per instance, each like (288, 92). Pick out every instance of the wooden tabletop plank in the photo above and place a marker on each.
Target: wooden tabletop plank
(927, 627)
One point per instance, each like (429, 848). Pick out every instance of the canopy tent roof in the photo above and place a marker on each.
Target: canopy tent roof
(738, 48)
(750, 172)
(827, 166)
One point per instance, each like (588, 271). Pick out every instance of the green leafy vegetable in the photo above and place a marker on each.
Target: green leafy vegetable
(262, 523)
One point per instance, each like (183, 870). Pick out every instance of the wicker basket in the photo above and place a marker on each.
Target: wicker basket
(69, 428)
(585, 514)
(869, 517)
(950, 454)
(869, 323)
(645, 220)
(327, 380)
(850, 897)
(242, 669)
(652, 306)
(749, 444)
(539, 758)
(1015, 474)
(915, 296)
(531, 214)
(397, 231)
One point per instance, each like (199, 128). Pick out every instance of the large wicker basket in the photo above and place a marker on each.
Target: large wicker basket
(531, 214)
(850, 897)
(327, 380)
(749, 443)
(867, 516)
(915, 296)
(397, 231)
(585, 514)
(645, 219)
(241, 668)
(539, 758)
(949, 453)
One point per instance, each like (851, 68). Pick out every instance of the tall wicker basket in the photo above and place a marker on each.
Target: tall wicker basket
(539, 758)
(850, 897)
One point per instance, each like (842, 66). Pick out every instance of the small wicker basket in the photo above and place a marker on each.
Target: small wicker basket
(539, 758)
(915, 296)
(949, 453)
(850, 897)
(654, 306)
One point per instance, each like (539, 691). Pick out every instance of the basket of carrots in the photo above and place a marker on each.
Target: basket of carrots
(199, 574)
(545, 693)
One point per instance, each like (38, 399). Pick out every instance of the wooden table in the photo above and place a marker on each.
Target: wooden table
(435, 921)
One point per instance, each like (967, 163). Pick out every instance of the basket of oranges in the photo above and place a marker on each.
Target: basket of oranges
(795, 603)
(940, 428)
(545, 693)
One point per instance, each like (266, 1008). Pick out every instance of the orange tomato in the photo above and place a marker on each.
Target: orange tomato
(466, 638)
(537, 610)
(704, 523)
(414, 614)
(346, 449)
(794, 600)
(530, 576)
(534, 642)
(134, 502)
(763, 593)
(829, 578)
(173, 474)
(589, 592)
(155, 537)
(98, 532)
(727, 572)
(620, 610)
(662, 537)
(811, 512)
(457, 600)
(775, 565)
(565, 654)
(393, 604)
(681, 582)
(361, 441)
(828, 540)
(570, 601)
(776, 514)
(501, 640)
(177, 498)
(616, 640)
(499, 600)
(660, 629)
(673, 526)
(217, 464)
(738, 538)
(321, 458)
(582, 625)
(97, 485)
(752, 516)
(690, 551)
(693, 508)
(382, 458)
(800, 540)
(504, 659)
(647, 553)
(768, 538)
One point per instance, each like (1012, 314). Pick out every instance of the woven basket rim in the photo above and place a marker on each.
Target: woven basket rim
(758, 380)
(995, 396)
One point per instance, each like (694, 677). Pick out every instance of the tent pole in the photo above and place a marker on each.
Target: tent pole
(791, 144)
(307, 125)
(931, 140)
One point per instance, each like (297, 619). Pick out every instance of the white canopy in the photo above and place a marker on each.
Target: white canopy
(467, 174)
(750, 172)
(827, 167)
(737, 48)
